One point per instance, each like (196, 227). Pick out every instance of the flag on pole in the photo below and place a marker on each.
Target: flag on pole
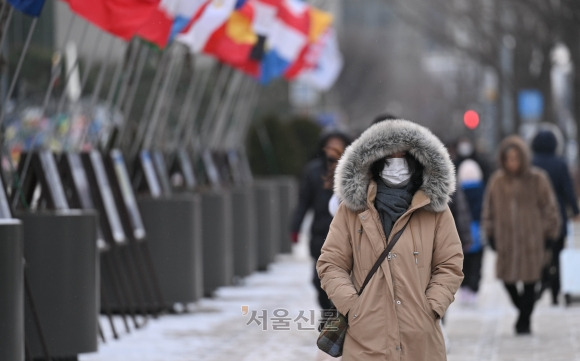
(233, 42)
(185, 12)
(157, 29)
(29, 7)
(120, 18)
(262, 37)
(320, 22)
(209, 18)
(327, 69)
(288, 35)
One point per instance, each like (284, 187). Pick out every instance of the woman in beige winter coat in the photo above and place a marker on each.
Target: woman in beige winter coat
(395, 172)
(519, 215)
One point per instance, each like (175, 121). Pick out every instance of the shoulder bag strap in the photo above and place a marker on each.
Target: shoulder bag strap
(384, 255)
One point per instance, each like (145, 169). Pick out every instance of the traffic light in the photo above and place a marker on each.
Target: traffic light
(471, 119)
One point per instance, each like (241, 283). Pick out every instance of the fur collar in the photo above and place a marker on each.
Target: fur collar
(353, 174)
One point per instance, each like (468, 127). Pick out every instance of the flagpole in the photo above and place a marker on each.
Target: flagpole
(128, 106)
(237, 111)
(186, 108)
(246, 116)
(149, 135)
(7, 99)
(68, 73)
(17, 71)
(128, 74)
(197, 128)
(165, 109)
(212, 109)
(161, 130)
(242, 129)
(95, 95)
(85, 77)
(143, 125)
(8, 20)
(115, 80)
(222, 116)
(101, 77)
(190, 128)
(5, 6)
(47, 96)
(134, 47)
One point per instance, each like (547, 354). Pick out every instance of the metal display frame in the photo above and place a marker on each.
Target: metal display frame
(5, 210)
(145, 178)
(161, 170)
(42, 171)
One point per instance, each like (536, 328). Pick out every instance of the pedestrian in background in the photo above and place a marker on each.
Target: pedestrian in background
(461, 214)
(314, 193)
(335, 200)
(465, 149)
(519, 213)
(470, 177)
(396, 177)
(544, 146)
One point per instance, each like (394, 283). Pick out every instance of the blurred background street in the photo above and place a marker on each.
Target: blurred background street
(158, 160)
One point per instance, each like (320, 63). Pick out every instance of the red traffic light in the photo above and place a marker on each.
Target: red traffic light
(471, 119)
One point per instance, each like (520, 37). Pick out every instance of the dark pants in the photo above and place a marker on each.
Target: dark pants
(524, 302)
(551, 273)
(323, 299)
(472, 270)
(316, 243)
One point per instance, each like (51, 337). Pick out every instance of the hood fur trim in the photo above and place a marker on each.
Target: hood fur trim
(353, 173)
(517, 142)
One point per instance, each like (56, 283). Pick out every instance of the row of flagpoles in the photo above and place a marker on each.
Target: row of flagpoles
(266, 39)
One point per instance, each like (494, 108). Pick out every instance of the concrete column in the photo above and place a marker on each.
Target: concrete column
(268, 221)
(12, 295)
(63, 272)
(173, 227)
(244, 230)
(217, 233)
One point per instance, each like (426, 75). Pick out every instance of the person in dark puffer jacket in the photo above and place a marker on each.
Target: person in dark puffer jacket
(544, 146)
(314, 194)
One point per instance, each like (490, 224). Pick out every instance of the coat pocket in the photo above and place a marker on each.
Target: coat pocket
(354, 312)
(428, 310)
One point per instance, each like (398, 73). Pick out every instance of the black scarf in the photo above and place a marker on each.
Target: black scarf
(391, 203)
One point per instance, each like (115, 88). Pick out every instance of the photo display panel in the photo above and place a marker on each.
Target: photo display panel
(150, 176)
(5, 211)
(186, 169)
(52, 179)
(161, 167)
(210, 168)
(106, 193)
(235, 166)
(80, 180)
(127, 193)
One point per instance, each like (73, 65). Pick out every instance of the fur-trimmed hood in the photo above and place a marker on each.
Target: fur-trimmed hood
(517, 142)
(353, 173)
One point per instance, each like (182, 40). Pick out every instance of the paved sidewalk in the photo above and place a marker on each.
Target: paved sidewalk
(217, 329)
(485, 331)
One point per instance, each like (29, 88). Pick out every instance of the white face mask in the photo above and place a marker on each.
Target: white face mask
(465, 149)
(396, 172)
